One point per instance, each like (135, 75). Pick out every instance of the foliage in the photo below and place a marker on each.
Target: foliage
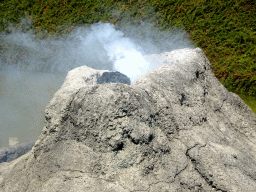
(224, 29)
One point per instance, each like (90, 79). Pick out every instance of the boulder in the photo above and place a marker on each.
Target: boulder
(176, 128)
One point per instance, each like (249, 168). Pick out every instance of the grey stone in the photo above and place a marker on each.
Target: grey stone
(176, 128)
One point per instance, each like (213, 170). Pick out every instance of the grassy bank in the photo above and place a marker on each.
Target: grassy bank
(225, 30)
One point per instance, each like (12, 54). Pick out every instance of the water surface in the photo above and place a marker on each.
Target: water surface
(23, 98)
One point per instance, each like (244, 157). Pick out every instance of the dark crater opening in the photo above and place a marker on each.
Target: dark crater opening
(113, 77)
(119, 146)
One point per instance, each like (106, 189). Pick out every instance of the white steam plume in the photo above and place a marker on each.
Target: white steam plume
(32, 70)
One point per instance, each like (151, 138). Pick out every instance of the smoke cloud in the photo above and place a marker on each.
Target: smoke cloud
(32, 70)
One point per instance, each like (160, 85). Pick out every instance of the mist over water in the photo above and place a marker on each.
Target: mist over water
(32, 70)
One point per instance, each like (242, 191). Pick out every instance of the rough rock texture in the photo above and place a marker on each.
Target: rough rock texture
(176, 128)
(10, 153)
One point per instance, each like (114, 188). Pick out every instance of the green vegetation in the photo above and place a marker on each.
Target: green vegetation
(224, 29)
(248, 99)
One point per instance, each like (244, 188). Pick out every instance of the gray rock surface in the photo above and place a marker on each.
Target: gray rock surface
(176, 128)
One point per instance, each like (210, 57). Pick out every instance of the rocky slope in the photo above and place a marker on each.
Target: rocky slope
(176, 128)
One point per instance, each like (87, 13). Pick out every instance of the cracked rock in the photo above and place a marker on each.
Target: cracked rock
(176, 128)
